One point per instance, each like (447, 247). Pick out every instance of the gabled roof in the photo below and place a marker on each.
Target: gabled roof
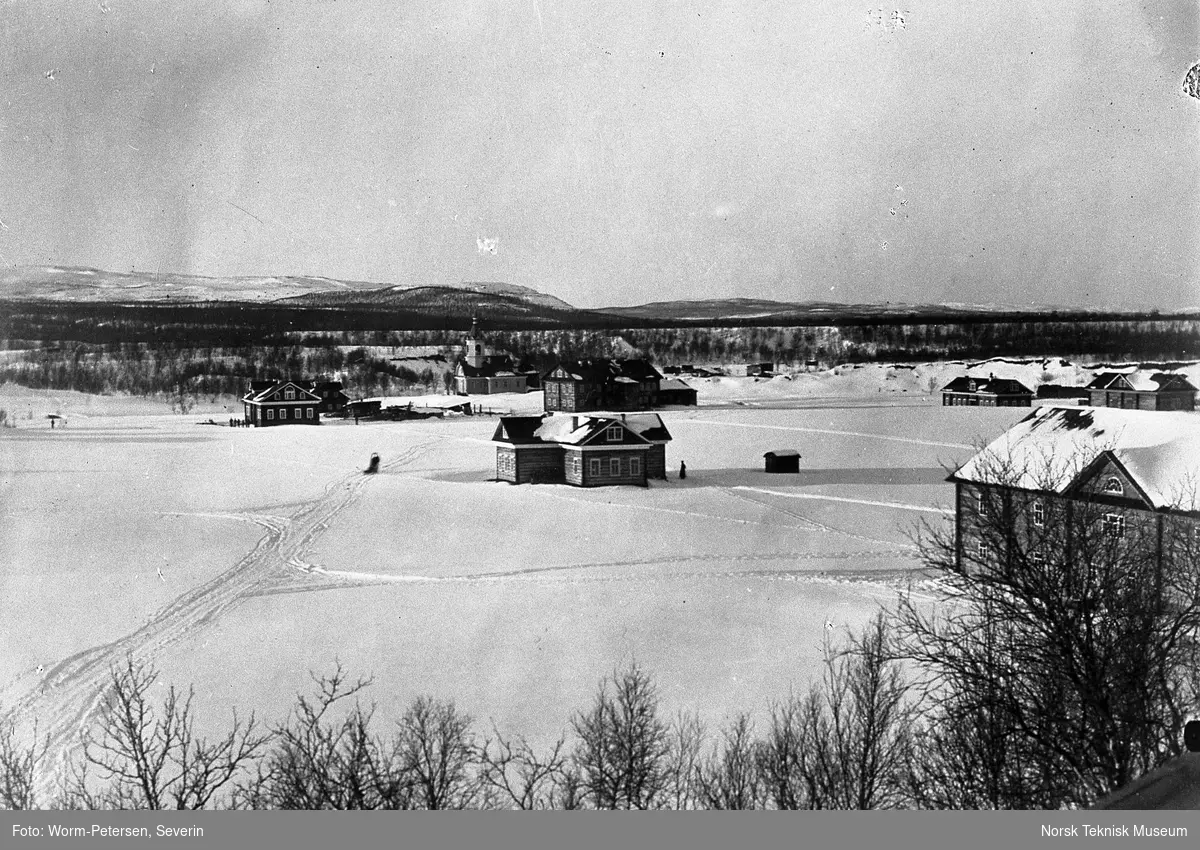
(986, 386)
(494, 365)
(261, 391)
(1054, 448)
(1141, 381)
(579, 430)
(674, 385)
(604, 370)
(517, 429)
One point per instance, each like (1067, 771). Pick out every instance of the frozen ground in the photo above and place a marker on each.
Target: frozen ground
(239, 559)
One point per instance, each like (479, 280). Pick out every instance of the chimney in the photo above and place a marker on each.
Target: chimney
(574, 423)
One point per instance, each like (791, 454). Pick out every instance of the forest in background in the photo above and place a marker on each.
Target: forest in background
(190, 351)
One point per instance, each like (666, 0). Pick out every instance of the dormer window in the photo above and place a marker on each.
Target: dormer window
(1112, 484)
(613, 433)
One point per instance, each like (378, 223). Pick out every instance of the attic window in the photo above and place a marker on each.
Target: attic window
(613, 434)
(1112, 484)
(289, 394)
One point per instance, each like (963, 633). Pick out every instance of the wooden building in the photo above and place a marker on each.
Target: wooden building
(1125, 480)
(989, 392)
(675, 391)
(782, 460)
(482, 371)
(269, 403)
(333, 397)
(593, 385)
(585, 451)
(364, 408)
(1142, 391)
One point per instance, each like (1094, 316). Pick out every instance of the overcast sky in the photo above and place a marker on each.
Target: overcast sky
(1017, 152)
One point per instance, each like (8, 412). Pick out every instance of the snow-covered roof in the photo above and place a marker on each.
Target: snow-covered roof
(1141, 381)
(674, 384)
(1049, 450)
(261, 393)
(576, 429)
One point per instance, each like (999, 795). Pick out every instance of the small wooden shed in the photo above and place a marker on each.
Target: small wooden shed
(783, 460)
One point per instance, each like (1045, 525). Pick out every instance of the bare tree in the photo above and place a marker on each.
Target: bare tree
(730, 777)
(437, 749)
(523, 779)
(1066, 647)
(686, 741)
(622, 757)
(139, 756)
(324, 758)
(18, 768)
(845, 744)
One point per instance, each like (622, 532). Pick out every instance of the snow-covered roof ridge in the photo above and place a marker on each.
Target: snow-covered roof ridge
(1049, 449)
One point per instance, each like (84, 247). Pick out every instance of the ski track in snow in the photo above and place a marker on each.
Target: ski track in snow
(64, 699)
(822, 497)
(909, 440)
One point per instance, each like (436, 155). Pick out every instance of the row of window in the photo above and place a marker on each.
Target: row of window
(1114, 527)
(596, 466)
(1038, 510)
(297, 413)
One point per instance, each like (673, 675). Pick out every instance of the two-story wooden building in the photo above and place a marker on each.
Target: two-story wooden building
(986, 392)
(586, 451)
(592, 385)
(281, 403)
(1083, 483)
(1138, 390)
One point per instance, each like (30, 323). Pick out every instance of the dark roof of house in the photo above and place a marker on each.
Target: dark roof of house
(1141, 382)
(783, 453)
(986, 386)
(604, 370)
(517, 429)
(493, 365)
(675, 385)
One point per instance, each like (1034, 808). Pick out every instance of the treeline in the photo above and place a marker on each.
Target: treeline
(183, 372)
(179, 368)
(834, 345)
(867, 335)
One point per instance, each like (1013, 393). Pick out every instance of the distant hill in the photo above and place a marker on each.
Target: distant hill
(767, 312)
(82, 285)
(326, 302)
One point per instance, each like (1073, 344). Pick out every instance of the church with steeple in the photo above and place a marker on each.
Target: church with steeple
(482, 371)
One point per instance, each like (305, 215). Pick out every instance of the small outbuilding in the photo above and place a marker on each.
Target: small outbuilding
(675, 391)
(783, 460)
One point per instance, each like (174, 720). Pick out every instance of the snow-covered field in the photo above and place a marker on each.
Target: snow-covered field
(240, 559)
